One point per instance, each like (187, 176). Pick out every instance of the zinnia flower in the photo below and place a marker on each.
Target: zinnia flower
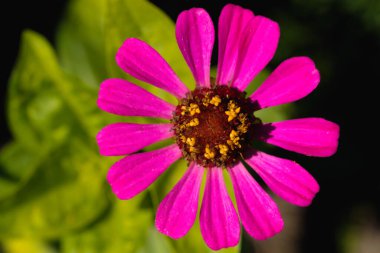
(213, 127)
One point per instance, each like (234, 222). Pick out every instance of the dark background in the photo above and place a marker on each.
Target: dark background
(345, 44)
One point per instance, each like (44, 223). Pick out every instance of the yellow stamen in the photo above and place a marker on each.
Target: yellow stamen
(242, 117)
(215, 100)
(183, 138)
(206, 100)
(194, 108)
(193, 122)
(184, 110)
(231, 144)
(231, 115)
(190, 141)
(243, 128)
(234, 139)
(208, 153)
(223, 149)
(193, 150)
(233, 111)
(233, 134)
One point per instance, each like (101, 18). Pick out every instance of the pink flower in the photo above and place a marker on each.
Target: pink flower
(214, 126)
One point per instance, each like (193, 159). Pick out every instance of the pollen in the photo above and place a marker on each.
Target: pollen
(205, 134)
(223, 149)
(194, 122)
(206, 101)
(242, 128)
(233, 134)
(208, 153)
(234, 139)
(233, 110)
(215, 100)
(190, 141)
(194, 108)
(184, 109)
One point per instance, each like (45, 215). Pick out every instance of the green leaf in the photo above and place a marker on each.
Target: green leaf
(54, 119)
(124, 229)
(17, 165)
(156, 243)
(31, 104)
(45, 105)
(81, 41)
(22, 245)
(276, 113)
(67, 192)
(88, 40)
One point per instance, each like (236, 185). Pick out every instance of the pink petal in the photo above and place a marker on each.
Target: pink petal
(220, 225)
(120, 97)
(133, 174)
(258, 213)
(256, 49)
(308, 136)
(232, 22)
(141, 61)
(195, 38)
(285, 178)
(177, 212)
(293, 79)
(126, 138)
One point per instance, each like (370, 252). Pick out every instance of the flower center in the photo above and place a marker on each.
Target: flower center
(213, 125)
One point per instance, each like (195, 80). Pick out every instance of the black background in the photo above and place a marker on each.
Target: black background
(348, 52)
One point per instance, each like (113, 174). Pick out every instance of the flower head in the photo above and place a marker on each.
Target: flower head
(213, 127)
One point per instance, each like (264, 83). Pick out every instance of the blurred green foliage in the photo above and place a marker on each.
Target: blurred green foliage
(53, 192)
